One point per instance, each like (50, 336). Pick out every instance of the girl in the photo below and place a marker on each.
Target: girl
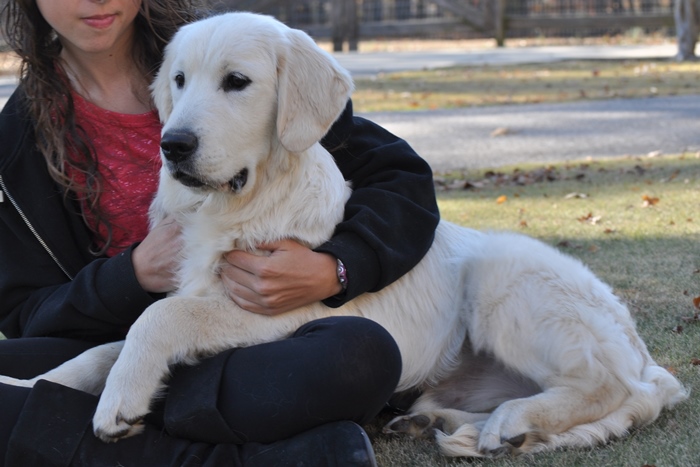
(79, 265)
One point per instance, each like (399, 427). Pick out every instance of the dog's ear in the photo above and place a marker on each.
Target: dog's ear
(160, 88)
(313, 90)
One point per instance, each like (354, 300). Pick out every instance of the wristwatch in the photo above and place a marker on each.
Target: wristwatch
(342, 275)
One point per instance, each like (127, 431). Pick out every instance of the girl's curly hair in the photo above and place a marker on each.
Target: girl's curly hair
(48, 95)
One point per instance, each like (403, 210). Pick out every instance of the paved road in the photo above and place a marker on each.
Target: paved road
(371, 64)
(451, 139)
(549, 132)
(543, 132)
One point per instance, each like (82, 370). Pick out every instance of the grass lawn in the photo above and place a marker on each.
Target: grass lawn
(533, 83)
(636, 223)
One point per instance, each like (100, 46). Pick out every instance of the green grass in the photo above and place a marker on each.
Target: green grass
(530, 83)
(650, 254)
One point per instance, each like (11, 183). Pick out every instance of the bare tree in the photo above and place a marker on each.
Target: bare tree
(687, 17)
(344, 24)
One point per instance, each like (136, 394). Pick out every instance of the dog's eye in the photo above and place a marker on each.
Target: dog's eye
(235, 82)
(180, 80)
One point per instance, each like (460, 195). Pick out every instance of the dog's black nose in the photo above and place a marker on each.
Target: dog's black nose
(177, 146)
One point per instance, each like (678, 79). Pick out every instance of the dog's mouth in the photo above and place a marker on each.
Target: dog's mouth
(235, 185)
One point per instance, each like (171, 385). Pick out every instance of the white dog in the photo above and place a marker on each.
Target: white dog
(517, 347)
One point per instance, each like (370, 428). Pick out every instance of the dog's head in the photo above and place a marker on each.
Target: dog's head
(233, 86)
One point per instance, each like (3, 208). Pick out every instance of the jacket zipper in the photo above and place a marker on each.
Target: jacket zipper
(32, 229)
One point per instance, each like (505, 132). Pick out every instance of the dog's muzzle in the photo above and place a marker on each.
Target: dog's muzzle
(178, 147)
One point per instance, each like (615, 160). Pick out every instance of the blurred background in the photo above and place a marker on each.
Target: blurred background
(347, 23)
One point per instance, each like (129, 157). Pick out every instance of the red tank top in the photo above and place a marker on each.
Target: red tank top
(127, 147)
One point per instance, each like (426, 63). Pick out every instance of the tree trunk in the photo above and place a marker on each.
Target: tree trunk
(499, 26)
(686, 13)
(344, 24)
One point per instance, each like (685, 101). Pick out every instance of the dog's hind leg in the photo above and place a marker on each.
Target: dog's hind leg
(87, 372)
(524, 425)
(656, 390)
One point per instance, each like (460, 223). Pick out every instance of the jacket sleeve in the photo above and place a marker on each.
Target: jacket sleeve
(391, 216)
(93, 299)
(67, 292)
(99, 304)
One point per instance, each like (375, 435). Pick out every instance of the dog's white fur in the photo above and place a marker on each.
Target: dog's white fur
(517, 347)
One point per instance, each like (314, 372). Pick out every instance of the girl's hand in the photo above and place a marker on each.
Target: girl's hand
(290, 277)
(156, 258)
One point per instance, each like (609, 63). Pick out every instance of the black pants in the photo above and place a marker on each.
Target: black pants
(340, 368)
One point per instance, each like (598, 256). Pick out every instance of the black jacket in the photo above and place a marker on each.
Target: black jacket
(50, 284)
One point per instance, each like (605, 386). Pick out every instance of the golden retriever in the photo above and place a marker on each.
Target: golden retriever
(517, 347)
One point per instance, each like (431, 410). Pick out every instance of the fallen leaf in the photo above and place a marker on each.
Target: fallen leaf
(501, 199)
(576, 195)
(695, 361)
(649, 201)
(696, 302)
(609, 231)
(639, 169)
(502, 131)
(590, 219)
(523, 224)
(691, 319)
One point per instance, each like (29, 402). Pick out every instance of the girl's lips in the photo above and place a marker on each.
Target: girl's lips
(100, 21)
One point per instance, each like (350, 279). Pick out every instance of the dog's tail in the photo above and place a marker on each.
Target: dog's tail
(656, 390)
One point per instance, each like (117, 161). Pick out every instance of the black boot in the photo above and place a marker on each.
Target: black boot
(55, 430)
(337, 444)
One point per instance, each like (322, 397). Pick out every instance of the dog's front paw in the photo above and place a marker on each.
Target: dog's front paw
(114, 421)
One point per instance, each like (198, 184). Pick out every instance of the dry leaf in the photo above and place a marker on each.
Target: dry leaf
(692, 319)
(696, 302)
(576, 195)
(523, 223)
(502, 131)
(501, 199)
(695, 361)
(649, 201)
(590, 218)
(609, 231)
